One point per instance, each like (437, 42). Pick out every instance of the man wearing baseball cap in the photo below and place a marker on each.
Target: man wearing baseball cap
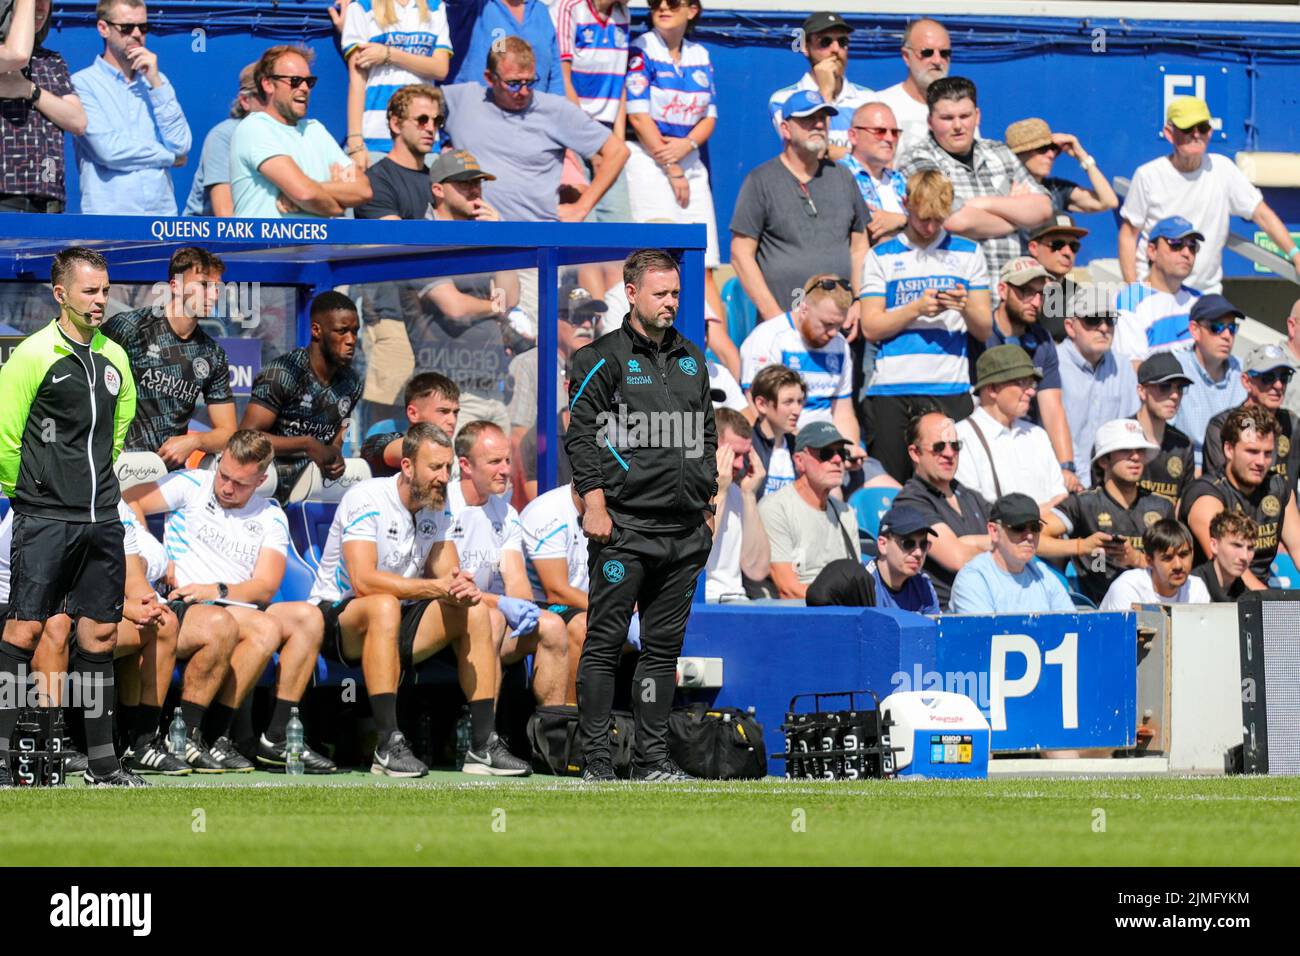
(825, 38)
(1002, 451)
(799, 214)
(1156, 312)
(1266, 373)
(1161, 385)
(456, 182)
(1007, 580)
(1017, 320)
(1215, 372)
(806, 527)
(1037, 147)
(1105, 523)
(892, 580)
(1203, 187)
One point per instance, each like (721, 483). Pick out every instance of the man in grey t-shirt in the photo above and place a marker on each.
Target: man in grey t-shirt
(798, 214)
(807, 528)
(521, 135)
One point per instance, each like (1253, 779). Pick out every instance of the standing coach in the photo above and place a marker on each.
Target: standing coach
(66, 401)
(646, 491)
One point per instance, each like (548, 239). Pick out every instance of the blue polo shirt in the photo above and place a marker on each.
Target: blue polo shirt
(538, 29)
(917, 593)
(982, 587)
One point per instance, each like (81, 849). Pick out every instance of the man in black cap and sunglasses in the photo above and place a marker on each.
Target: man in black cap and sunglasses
(1266, 374)
(1215, 372)
(1055, 244)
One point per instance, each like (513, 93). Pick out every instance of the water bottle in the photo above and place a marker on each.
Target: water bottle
(463, 737)
(176, 736)
(293, 745)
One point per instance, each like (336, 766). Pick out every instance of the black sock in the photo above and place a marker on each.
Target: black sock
(99, 691)
(144, 724)
(219, 718)
(192, 714)
(279, 719)
(126, 722)
(13, 662)
(384, 707)
(482, 720)
(241, 726)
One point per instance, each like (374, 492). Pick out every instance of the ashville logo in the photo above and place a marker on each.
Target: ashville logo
(74, 909)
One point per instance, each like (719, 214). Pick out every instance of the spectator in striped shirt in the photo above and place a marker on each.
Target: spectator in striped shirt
(1154, 314)
(825, 39)
(388, 44)
(36, 107)
(985, 174)
(922, 293)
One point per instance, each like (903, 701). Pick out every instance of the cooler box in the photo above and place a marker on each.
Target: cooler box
(937, 734)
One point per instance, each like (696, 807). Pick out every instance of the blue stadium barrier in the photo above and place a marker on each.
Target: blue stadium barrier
(742, 314)
(870, 505)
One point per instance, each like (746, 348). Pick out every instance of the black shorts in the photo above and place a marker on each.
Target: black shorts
(76, 568)
(331, 647)
(412, 614)
(332, 643)
(565, 612)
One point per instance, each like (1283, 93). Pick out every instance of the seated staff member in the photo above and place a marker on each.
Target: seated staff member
(1007, 580)
(393, 594)
(228, 543)
(174, 361)
(1232, 547)
(429, 397)
(303, 398)
(1106, 522)
(1167, 578)
(1248, 486)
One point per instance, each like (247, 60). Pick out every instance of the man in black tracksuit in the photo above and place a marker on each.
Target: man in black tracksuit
(643, 445)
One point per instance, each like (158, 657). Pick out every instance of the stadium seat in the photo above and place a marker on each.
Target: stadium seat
(309, 526)
(137, 468)
(1080, 600)
(870, 505)
(298, 578)
(1283, 573)
(742, 314)
(312, 486)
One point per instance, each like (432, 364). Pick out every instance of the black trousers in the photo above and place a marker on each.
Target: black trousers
(657, 574)
(887, 417)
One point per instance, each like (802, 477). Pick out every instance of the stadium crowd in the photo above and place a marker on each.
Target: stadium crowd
(934, 410)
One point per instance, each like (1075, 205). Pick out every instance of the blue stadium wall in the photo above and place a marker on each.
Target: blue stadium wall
(1105, 79)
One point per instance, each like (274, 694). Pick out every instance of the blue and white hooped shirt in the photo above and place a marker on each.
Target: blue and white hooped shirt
(827, 371)
(596, 48)
(929, 356)
(1151, 321)
(676, 96)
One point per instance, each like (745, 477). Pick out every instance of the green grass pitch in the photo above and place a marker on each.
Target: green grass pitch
(450, 819)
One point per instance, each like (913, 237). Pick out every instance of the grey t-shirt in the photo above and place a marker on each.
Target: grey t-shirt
(214, 168)
(397, 191)
(524, 150)
(522, 385)
(793, 243)
(805, 537)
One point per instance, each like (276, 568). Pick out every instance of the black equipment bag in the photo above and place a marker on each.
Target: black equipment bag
(557, 746)
(717, 743)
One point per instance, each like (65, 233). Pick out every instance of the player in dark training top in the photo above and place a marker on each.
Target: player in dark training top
(1247, 486)
(303, 399)
(430, 397)
(1106, 523)
(1161, 385)
(174, 362)
(1266, 373)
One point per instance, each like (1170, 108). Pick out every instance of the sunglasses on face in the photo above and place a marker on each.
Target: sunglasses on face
(1056, 245)
(1269, 379)
(514, 86)
(1178, 245)
(1166, 388)
(1218, 328)
(939, 447)
(1094, 322)
(882, 132)
(838, 39)
(296, 81)
(829, 454)
(126, 29)
(907, 545)
(424, 119)
(1029, 527)
(1049, 148)
(670, 4)
(1203, 128)
(926, 52)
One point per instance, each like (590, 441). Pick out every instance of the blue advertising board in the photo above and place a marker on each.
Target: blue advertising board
(245, 358)
(1043, 680)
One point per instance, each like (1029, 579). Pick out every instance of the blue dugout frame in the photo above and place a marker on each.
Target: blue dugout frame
(319, 254)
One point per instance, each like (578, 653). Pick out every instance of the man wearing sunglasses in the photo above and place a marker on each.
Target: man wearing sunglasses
(904, 541)
(825, 38)
(1161, 386)
(135, 129)
(874, 140)
(1267, 372)
(1203, 187)
(400, 181)
(1095, 386)
(927, 54)
(281, 163)
(1105, 523)
(1007, 580)
(1155, 313)
(1055, 244)
(1215, 372)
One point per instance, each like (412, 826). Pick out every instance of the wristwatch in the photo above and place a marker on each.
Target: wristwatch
(223, 591)
(36, 95)
(1068, 466)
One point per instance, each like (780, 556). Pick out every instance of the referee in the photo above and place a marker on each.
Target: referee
(66, 401)
(642, 443)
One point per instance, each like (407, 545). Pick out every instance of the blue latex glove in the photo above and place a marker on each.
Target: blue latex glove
(521, 615)
(634, 631)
